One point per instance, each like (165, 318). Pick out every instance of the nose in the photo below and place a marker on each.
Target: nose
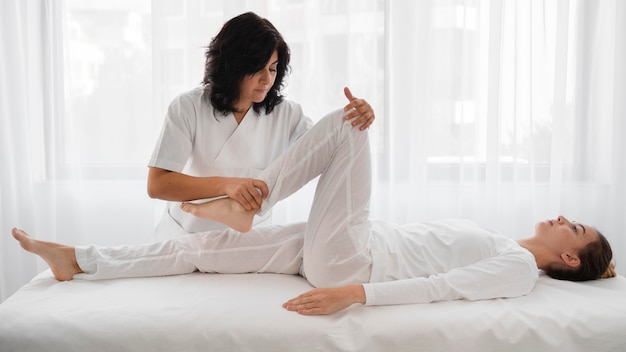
(562, 220)
(265, 76)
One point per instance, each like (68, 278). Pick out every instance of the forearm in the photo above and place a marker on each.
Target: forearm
(174, 186)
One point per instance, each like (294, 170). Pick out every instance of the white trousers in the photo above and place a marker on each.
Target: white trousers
(330, 249)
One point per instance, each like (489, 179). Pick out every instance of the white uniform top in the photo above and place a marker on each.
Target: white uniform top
(445, 260)
(197, 140)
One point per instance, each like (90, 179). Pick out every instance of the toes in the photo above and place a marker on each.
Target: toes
(19, 234)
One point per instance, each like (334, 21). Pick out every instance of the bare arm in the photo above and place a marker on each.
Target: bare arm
(326, 300)
(174, 186)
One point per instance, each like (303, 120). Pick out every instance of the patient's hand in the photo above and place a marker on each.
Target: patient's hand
(326, 300)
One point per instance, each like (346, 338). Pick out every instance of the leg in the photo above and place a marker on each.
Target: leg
(336, 249)
(336, 241)
(302, 162)
(337, 234)
(60, 258)
(272, 249)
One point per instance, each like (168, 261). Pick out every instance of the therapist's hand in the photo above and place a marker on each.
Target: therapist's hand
(249, 192)
(358, 110)
(326, 300)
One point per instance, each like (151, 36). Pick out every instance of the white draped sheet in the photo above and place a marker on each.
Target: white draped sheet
(243, 312)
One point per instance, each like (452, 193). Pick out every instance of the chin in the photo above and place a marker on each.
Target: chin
(259, 97)
(539, 227)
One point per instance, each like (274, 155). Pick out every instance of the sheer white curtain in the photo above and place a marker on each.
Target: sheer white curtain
(69, 173)
(16, 193)
(505, 112)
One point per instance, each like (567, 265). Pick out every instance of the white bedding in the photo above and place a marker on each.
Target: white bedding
(213, 312)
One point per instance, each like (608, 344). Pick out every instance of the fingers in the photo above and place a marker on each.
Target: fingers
(295, 301)
(348, 93)
(314, 302)
(304, 305)
(262, 187)
(358, 110)
(303, 301)
(250, 200)
(311, 311)
(364, 120)
(256, 193)
(249, 193)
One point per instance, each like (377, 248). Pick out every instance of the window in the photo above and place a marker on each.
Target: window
(107, 125)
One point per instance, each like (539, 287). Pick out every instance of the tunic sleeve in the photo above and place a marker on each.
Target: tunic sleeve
(302, 122)
(175, 142)
(509, 274)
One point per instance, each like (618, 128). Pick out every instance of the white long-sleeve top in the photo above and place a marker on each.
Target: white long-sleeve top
(445, 260)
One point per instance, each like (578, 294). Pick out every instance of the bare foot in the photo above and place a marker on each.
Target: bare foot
(60, 258)
(225, 210)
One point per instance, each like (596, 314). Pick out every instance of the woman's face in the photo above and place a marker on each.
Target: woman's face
(563, 235)
(254, 87)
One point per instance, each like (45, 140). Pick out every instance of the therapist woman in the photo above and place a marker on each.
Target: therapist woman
(217, 138)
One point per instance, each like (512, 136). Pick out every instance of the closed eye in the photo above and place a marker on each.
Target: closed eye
(575, 228)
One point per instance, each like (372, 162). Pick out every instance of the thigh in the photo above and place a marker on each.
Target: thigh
(267, 249)
(336, 248)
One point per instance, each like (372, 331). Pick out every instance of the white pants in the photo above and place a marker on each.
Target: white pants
(333, 251)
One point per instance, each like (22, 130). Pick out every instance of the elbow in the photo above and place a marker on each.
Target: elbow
(154, 191)
(155, 186)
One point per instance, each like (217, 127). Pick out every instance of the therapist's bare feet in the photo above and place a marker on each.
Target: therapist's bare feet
(60, 258)
(225, 210)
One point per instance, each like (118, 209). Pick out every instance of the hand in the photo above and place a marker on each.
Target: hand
(248, 192)
(360, 111)
(326, 300)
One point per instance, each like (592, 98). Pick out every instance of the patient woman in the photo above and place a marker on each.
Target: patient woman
(349, 258)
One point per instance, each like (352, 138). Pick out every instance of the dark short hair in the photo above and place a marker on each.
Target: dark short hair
(243, 47)
(595, 259)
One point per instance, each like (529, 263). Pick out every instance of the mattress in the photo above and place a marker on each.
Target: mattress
(243, 312)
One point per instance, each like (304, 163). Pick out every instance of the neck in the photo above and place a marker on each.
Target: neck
(542, 255)
(240, 113)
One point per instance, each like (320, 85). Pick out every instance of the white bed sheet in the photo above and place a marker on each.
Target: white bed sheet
(213, 312)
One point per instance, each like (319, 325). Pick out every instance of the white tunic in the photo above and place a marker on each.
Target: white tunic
(197, 140)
